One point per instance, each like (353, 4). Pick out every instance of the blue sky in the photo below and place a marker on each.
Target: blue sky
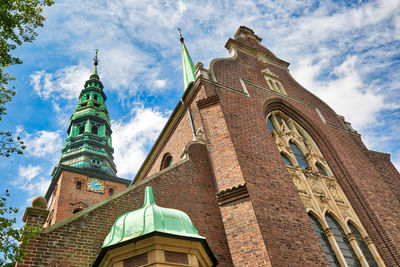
(347, 53)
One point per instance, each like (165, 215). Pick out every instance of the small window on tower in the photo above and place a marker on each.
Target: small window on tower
(77, 210)
(95, 97)
(78, 185)
(95, 130)
(81, 129)
(110, 191)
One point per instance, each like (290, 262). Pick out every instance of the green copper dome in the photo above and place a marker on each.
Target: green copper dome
(150, 218)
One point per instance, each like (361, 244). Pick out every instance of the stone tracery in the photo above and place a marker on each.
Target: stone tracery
(316, 184)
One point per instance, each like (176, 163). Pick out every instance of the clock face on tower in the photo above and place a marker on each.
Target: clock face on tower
(95, 185)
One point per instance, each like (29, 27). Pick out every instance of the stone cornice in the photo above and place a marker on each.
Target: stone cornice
(207, 102)
(232, 194)
(257, 53)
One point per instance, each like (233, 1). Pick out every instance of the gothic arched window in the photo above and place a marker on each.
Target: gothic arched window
(363, 247)
(342, 241)
(321, 193)
(321, 169)
(301, 159)
(286, 160)
(270, 124)
(330, 254)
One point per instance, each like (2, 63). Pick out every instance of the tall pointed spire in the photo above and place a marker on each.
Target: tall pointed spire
(89, 143)
(188, 67)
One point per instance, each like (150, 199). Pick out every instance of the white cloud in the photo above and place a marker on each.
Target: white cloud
(131, 137)
(345, 93)
(28, 173)
(344, 53)
(160, 83)
(41, 144)
(29, 181)
(65, 83)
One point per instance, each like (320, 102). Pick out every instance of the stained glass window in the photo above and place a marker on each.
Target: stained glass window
(270, 124)
(343, 243)
(301, 159)
(286, 160)
(321, 169)
(364, 248)
(330, 254)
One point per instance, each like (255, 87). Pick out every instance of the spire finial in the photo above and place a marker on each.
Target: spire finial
(96, 61)
(180, 34)
(148, 197)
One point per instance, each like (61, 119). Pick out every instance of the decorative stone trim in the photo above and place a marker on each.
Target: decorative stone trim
(350, 237)
(207, 102)
(232, 194)
(368, 240)
(328, 232)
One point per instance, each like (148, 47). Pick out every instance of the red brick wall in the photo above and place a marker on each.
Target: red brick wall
(279, 210)
(67, 197)
(188, 187)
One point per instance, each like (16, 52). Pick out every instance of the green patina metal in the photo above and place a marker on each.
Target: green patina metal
(89, 143)
(150, 218)
(188, 67)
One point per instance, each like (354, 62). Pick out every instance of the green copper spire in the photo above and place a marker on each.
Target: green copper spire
(89, 144)
(187, 64)
(150, 218)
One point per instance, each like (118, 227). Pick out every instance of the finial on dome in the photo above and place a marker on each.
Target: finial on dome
(148, 197)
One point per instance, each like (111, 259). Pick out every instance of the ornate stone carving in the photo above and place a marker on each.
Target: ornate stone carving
(306, 202)
(267, 71)
(346, 212)
(335, 192)
(328, 232)
(299, 184)
(315, 183)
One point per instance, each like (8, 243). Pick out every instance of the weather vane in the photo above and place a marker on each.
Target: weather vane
(180, 34)
(96, 60)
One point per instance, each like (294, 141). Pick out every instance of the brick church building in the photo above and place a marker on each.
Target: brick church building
(251, 169)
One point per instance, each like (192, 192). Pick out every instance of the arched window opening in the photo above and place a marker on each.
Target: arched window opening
(81, 129)
(342, 241)
(78, 185)
(330, 254)
(321, 169)
(95, 130)
(110, 191)
(77, 210)
(270, 124)
(286, 160)
(95, 97)
(363, 247)
(167, 161)
(301, 159)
